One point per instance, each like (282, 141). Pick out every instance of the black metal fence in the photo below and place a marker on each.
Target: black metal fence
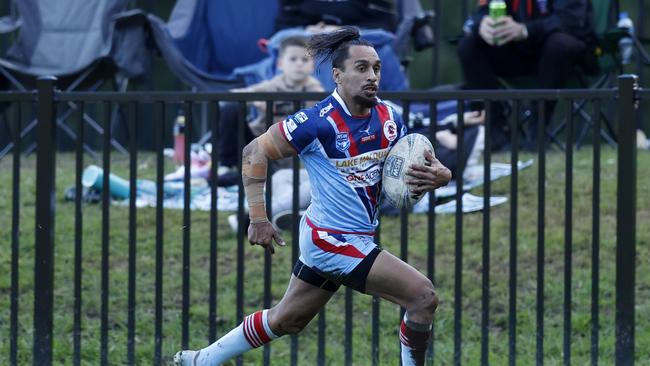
(47, 101)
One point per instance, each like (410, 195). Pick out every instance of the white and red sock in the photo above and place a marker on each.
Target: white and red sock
(254, 332)
(414, 339)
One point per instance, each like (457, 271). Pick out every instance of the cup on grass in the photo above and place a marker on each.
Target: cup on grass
(93, 176)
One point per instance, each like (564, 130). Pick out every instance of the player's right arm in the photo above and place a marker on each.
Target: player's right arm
(271, 145)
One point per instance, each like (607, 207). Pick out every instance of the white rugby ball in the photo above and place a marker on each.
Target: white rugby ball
(408, 150)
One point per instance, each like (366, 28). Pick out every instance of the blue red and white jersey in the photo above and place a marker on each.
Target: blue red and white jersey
(344, 156)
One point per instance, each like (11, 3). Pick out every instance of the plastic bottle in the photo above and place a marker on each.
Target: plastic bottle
(179, 140)
(626, 44)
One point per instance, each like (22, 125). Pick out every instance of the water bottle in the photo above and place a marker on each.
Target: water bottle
(626, 44)
(179, 140)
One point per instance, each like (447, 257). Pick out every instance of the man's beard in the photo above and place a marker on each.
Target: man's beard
(365, 101)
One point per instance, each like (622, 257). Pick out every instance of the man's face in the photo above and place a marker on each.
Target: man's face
(296, 64)
(358, 80)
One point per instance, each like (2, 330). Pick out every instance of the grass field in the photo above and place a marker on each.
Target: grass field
(389, 313)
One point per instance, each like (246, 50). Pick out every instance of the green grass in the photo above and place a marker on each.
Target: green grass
(389, 314)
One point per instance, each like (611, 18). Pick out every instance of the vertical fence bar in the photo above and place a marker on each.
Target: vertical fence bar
(541, 222)
(295, 200)
(15, 239)
(106, 164)
(348, 326)
(431, 224)
(45, 202)
(512, 270)
(187, 190)
(485, 264)
(375, 313)
(568, 232)
(133, 161)
(595, 245)
(267, 255)
(78, 239)
(241, 219)
(160, 171)
(404, 217)
(214, 180)
(322, 324)
(458, 250)
(626, 221)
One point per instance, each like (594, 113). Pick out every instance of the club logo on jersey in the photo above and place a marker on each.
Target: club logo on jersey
(301, 117)
(325, 109)
(291, 125)
(342, 141)
(390, 130)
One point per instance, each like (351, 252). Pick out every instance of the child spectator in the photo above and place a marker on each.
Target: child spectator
(295, 68)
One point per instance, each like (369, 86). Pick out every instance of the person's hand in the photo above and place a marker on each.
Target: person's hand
(425, 178)
(263, 234)
(486, 30)
(508, 30)
(474, 117)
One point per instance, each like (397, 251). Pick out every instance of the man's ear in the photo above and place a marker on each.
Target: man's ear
(278, 63)
(336, 75)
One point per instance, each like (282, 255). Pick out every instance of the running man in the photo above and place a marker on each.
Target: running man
(342, 142)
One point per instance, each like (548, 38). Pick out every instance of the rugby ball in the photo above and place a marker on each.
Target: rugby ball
(408, 150)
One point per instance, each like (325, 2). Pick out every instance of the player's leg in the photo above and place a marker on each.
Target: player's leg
(393, 279)
(300, 303)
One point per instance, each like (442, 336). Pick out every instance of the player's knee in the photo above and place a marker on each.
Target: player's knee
(425, 300)
(283, 323)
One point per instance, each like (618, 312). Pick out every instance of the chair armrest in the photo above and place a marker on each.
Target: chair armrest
(9, 24)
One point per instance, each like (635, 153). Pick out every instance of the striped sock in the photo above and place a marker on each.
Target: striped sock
(414, 339)
(254, 332)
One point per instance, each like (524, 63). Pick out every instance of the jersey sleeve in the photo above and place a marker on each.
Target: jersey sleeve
(300, 130)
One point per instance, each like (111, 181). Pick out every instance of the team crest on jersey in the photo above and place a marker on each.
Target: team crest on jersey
(301, 117)
(342, 141)
(390, 130)
(291, 125)
(326, 109)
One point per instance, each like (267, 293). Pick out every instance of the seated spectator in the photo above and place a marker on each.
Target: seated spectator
(361, 13)
(546, 39)
(295, 69)
(393, 77)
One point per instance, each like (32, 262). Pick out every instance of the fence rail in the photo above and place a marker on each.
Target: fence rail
(48, 103)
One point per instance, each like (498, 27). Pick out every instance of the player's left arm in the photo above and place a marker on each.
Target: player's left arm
(425, 178)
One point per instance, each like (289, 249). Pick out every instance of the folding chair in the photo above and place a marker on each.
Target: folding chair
(610, 66)
(82, 43)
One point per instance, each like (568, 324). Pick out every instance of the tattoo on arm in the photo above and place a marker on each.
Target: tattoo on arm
(255, 156)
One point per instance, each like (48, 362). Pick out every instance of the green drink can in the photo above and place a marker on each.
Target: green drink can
(497, 9)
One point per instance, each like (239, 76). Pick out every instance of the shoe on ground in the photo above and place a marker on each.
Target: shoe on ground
(642, 142)
(283, 219)
(186, 358)
(233, 222)
(222, 169)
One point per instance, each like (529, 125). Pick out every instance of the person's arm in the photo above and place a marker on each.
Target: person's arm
(570, 16)
(271, 145)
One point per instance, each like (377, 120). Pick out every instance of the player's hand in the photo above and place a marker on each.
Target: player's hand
(263, 234)
(425, 178)
(486, 30)
(509, 30)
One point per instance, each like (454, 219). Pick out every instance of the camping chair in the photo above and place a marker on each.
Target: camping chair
(83, 44)
(610, 66)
